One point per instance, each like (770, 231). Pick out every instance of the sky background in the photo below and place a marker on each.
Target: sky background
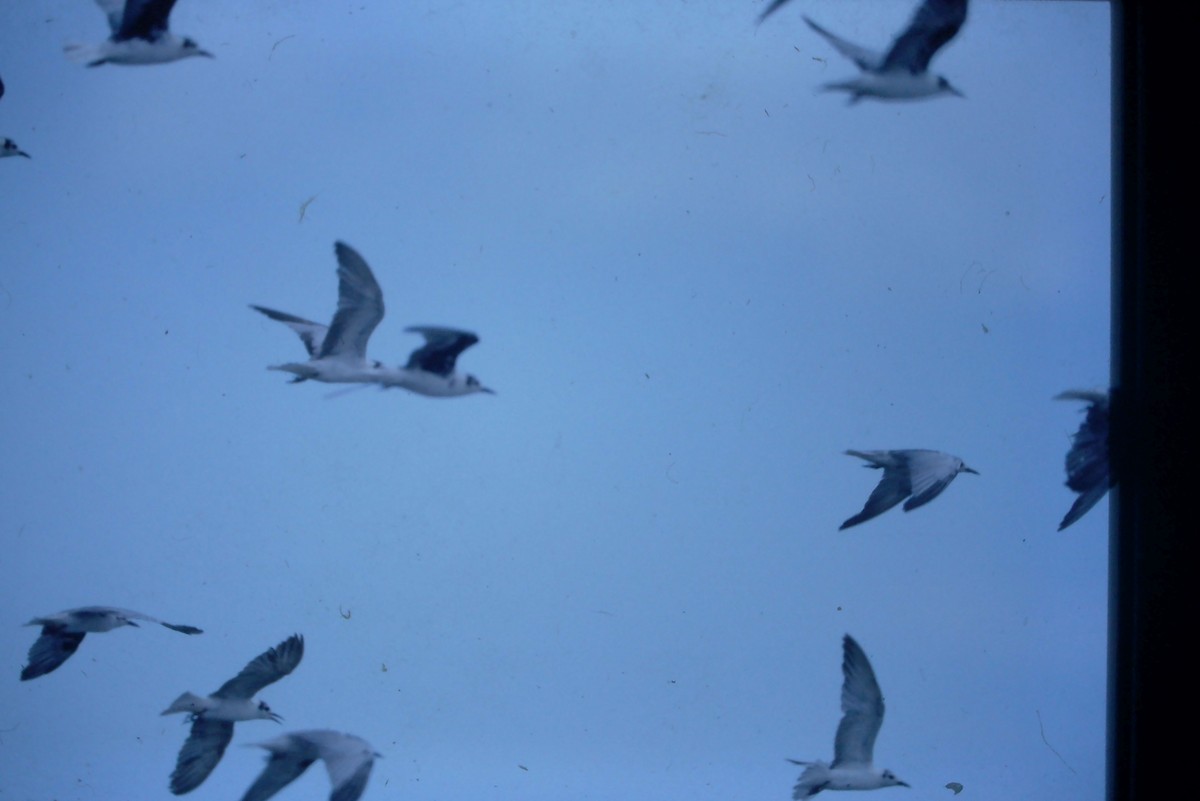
(696, 280)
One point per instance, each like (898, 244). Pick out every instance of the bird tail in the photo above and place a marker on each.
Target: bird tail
(188, 702)
(812, 781)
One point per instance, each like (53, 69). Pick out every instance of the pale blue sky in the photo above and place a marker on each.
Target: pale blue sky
(696, 281)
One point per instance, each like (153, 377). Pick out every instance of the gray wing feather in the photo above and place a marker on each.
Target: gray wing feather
(1087, 461)
(267, 668)
(934, 23)
(360, 307)
(51, 649)
(352, 788)
(862, 703)
(864, 57)
(201, 752)
(441, 349)
(143, 19)
(929, 473)
(281, 770)
(892, 488)
(311, 334)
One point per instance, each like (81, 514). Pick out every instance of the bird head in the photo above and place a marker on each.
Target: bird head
(265, 712)
(473, 385)
(889, 780)
(947, 88)
(190, 48)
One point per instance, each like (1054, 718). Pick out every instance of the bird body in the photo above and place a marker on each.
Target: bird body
(1087, 461)
(63, 632)
(140, 35)
(917, 474)
(213, 716)
(338, 351)
(902, 71)
(347, 758)
(854, 743)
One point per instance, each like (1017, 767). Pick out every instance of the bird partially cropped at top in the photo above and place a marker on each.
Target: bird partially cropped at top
(1087, 461)
(338, 351)
(347, 758)
(62, 633)
(213, 716)
(921, 474)
(140, 35)
(902, 71)
(7, 146)
(854, 743)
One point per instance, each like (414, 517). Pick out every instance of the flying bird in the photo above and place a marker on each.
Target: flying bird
(347, 758)
(921, 474)
(854, 743)
(1087, 460)
(140, 35)
(7, 146)
(213, 716)
(62, 634)
(338, 352)
(902, 72)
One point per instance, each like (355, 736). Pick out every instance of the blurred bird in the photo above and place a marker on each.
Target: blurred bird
(338, 351)
(140, 35)
(62, 634)
(923, 474)
(854, 743)
(1087, 460)
(7, 146)
(902, 72)
(347, 758)
(213, 716)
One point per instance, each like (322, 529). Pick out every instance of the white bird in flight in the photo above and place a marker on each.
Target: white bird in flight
(902, 72)
(213, 716)
(1087, 460)
(347, 758)
(921, 474)
(140, 35)
(62, 634)
(338, 351)
(854, 743)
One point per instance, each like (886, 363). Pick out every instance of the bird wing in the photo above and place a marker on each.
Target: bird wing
(1083, 503)
(441, 349)
(933, 24)
(864, 57)
(929, 473)
(360, 307)
(129, 613)
(862, 705)
(311, 334)
(268, 667)
(50, 650)
(1087, 460)
(283, 767)
(200, 753)
(348, 759)
(143, 19)
(115, 11)
(892, 488)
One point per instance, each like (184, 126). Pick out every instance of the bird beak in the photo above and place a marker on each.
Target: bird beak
(131, 623)
(205, 53)
(276, 718)
(969, 470)
(488, 391)
(904, 784)
(956, 93)
(23, 153)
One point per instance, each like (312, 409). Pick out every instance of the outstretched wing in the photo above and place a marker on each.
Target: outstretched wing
(360, 307)
(934, 23)
(50, 650)
(267, 668)
(862, 705)
(281, 770)
(892, 488)
(201, 752)
(929, 473)
(311, 334)
(441, 349)
(142, 19)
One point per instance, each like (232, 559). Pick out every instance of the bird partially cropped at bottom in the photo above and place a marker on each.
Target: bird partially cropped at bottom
(62, 633)
(921, 474)
(338, 351)
(347, 758)
(213, 716)
(902, 71)
(140, 35)
(854, 743)
(1087, 461)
